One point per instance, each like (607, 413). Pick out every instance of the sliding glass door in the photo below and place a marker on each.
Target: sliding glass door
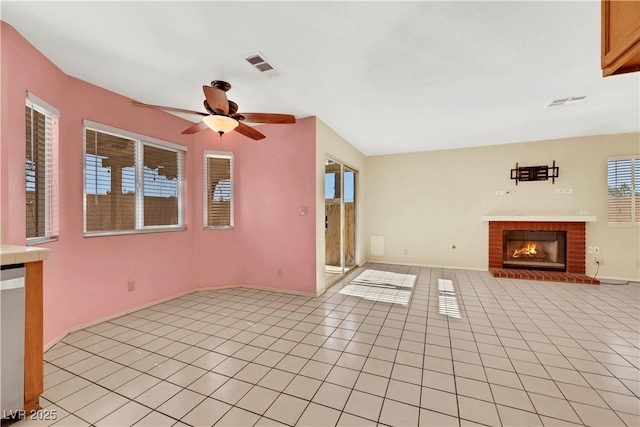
(340, 220)
(349, 208)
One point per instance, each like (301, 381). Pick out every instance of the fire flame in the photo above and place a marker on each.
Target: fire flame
(530, 249)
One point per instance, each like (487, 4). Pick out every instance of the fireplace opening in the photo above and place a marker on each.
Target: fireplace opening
(535, 250)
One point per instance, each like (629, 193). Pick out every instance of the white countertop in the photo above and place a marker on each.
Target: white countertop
(541, 218)
(12, 254)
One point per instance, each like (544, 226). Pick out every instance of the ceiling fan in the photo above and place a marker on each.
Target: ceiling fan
(222, 115)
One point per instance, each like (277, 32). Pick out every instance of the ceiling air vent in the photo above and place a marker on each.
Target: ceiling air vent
(565, 101)
(255, 60)
(262, 64)
(265, 66)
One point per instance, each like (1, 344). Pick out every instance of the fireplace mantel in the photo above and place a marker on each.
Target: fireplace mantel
(540, 218)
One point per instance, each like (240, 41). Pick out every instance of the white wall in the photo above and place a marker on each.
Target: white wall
(430, 201)
(328, 142)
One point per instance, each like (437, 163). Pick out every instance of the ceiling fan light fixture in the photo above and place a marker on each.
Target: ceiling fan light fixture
(220, 124)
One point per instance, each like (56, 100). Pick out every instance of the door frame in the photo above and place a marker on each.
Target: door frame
(343, 268)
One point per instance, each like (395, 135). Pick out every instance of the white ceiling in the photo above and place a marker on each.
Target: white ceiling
(389, 77)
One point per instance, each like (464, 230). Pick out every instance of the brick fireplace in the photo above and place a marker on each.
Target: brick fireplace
(575, 229)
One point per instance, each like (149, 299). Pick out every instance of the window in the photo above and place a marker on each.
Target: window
(218, 185)
(132, 183)
(623, 190)
(41, 162)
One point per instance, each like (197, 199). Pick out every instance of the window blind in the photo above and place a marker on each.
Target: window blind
(636, 189)
(161, 186)
(110, 182)
(219, 190)
(41, 177)
(623, 190)
(131, 184)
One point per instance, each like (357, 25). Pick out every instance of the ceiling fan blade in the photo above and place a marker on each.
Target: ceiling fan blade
(249, 132)
(280, 119)
(217, 99)
(195, 128)
(160, 107)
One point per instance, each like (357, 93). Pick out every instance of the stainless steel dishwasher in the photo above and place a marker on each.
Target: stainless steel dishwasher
(12, 339)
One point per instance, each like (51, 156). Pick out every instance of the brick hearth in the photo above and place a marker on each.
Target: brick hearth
(576, 254)
(547, 276)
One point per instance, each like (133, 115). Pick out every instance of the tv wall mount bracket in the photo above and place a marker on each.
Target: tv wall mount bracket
(535, 173)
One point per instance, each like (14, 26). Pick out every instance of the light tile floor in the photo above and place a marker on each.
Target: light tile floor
(522, 353)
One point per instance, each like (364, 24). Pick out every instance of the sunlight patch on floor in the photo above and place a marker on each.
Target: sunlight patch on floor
(384, 286)
(447, 300)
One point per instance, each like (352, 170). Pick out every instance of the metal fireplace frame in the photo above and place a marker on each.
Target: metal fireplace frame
(553, 241)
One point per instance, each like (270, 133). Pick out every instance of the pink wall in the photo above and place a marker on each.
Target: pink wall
(275, 235)
(273, 178)
(86, 278)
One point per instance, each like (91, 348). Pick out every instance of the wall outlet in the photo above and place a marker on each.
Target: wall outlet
(131, 286)
(589, 249)
(599, 261)
(280, 272)
(303, 210)
(405, 251)
(564, 190)
(502, 193)
(596, 249)
(584, 212)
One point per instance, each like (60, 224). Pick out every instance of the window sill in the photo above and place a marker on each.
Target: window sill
(34, 241)
(226, 227)
(130, 232)
(623, 224)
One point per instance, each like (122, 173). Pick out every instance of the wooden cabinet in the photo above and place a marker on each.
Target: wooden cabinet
(33, 334)
(620, 36)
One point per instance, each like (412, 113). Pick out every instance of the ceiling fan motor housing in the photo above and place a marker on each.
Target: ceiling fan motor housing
(222, 85)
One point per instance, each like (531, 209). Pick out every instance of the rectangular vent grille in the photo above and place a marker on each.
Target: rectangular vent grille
(264, 67)
(557, 102)
(255, 60)
(566, 101)
(261, 63)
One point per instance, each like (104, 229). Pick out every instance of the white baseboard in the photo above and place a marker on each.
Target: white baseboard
(450, 267)
(259, 288)
(618, 279)
(56, 340)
